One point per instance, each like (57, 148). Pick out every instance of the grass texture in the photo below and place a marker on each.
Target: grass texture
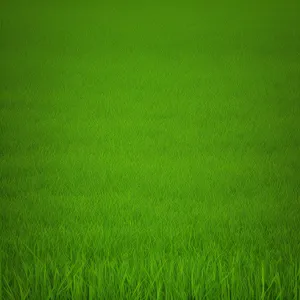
(149, 150)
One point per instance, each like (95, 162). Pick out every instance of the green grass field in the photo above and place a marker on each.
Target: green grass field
(149, 151)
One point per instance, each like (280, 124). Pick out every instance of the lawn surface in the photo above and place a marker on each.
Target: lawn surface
(149, 151)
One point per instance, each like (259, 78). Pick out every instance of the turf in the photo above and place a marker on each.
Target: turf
(149, 151)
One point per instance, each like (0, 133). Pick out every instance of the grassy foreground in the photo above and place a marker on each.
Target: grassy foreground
(149, 151)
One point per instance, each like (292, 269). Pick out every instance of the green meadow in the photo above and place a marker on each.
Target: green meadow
(149, 150)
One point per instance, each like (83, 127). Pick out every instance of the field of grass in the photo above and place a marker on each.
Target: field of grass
(149, 151)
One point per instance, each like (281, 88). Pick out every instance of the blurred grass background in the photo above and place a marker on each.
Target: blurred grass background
(149, 150)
